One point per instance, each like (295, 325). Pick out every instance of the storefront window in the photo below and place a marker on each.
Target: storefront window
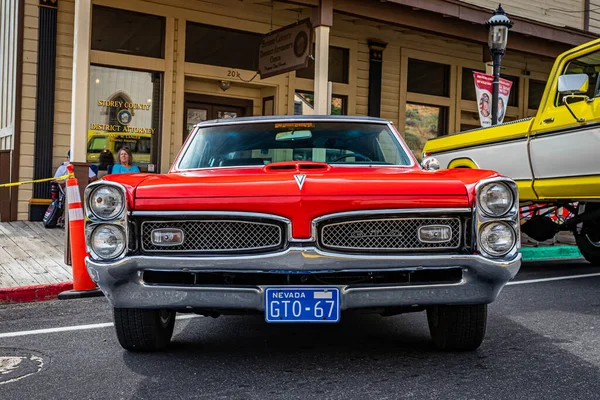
(428, 78)
(424, 122)
(127, 32)
(304, 104)
(536, 90)
(224, 47)
(338, 66)
(124, 111)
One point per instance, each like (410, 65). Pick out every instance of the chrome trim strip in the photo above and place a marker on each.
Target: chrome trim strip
(208, 251)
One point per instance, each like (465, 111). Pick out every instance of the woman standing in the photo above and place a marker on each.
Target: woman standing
(126, 160)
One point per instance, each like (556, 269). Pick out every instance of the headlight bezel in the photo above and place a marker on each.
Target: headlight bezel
(484, 248)
(92, 189)
(485, 208)
(115, 255)
(510, 217)
(93, 221)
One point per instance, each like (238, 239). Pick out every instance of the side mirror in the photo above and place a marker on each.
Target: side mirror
(574, 87)
(573, 84)
(430, 164)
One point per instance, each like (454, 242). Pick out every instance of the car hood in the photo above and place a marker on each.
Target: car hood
(327, 181)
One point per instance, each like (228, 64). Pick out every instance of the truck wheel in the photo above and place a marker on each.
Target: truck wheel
(457, 328)
(144, 330)
(588, 241)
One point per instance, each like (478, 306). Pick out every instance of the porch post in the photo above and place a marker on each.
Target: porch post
(323, 20)
(81, 79)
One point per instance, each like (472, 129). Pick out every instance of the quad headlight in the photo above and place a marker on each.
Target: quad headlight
(106, 225)
(106, 202)
(496, 199)
(107, 241)
(497, 238)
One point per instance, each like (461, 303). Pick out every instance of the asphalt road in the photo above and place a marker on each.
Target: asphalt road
(543, 341)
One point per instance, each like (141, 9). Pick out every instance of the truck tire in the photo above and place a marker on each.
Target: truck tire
(457, 328)
(588, 241)
(144, 330)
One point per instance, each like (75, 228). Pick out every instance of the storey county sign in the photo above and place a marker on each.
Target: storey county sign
(286, 49)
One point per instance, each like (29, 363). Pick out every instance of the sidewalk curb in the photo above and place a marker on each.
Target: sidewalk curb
(28, 294)
(550, 253)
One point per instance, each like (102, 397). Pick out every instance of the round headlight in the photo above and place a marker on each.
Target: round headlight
(497, 238)
(106, 202)
(108, 241)
(495, 199)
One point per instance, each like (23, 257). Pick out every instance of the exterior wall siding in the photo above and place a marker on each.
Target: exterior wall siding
(30, 39)
(8, 71)
(567, 13)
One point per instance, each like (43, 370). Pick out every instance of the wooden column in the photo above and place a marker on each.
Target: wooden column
(323, 20)
(81, 80)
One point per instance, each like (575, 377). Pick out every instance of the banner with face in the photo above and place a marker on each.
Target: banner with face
(483, 90)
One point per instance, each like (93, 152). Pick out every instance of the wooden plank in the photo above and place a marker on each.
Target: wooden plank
(16, 271)
(6, 281)
(39, 273)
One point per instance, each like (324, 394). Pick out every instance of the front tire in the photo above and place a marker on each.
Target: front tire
(457, 328)
(144, 330)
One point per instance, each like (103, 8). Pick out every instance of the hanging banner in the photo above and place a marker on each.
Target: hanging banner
(286, 49)
(483, 89)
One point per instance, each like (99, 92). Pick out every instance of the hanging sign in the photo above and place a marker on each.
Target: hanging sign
(286, 49)
(483, 89)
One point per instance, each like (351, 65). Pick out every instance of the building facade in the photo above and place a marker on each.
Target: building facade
(95, 75)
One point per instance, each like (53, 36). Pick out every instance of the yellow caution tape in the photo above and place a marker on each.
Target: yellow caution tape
(60, 178)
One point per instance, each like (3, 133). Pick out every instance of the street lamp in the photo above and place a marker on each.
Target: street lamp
(499, 25)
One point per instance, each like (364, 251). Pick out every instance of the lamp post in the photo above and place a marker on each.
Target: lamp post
(499, 24)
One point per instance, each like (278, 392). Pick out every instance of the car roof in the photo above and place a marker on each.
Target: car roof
(291, 118)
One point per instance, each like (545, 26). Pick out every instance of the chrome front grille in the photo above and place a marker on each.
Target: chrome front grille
(216, 236)
(385, 234)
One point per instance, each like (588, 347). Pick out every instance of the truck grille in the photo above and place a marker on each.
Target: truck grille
(386, 234)
(216, 236)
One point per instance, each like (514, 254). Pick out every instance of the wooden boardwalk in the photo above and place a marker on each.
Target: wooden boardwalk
(32, 255)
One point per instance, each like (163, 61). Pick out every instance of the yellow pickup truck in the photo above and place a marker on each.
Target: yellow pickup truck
(554, 157)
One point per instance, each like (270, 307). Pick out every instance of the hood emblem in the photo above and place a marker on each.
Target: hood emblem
(300, 180)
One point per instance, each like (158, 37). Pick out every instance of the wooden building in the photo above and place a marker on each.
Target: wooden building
(73, 71)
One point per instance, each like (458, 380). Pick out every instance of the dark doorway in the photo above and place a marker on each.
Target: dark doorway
(200, 108)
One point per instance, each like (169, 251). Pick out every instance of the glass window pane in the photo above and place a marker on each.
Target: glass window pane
(212, 45)
(536, 91)
(338, 66)
(428, 78)
(263, 143)
(424, 122)
(513, 98)
(468, 84)
(127, 32)
(304, 104)
(124, 110)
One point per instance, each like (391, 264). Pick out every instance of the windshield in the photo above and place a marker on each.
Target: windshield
(265, 143)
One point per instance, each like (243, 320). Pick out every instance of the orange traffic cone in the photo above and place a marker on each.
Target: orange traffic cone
(83, 286)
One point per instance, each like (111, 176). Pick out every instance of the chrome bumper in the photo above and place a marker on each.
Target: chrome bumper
(122, 282)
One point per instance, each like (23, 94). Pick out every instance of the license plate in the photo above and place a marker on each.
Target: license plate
(306, 304)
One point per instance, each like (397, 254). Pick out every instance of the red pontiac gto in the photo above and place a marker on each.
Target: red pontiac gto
(301, 218)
